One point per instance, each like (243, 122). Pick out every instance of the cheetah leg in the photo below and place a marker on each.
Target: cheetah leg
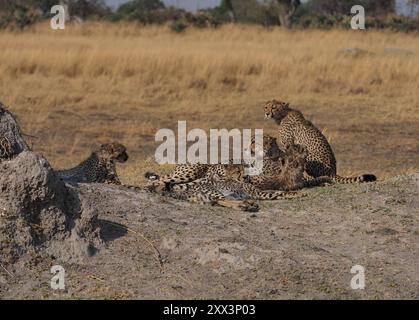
(242, 205)
(181, 174)
(277, 195)
(112, 176)
(113, 179)
(239, 205)
(212, 197)
(249, 206)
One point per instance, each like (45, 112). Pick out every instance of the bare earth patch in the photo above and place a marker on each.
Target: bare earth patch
(161, 248)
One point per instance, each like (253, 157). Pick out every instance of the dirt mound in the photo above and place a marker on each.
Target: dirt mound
(37, 211)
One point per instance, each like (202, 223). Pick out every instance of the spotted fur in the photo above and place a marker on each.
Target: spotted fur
(285, 172)
(183, 173)
(100, 167)
(231, 186)
(293, 128)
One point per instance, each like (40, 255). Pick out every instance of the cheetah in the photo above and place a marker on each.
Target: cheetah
(285, 172)
(184, 173)
(295, 129)
(99, 167)
(228, 190)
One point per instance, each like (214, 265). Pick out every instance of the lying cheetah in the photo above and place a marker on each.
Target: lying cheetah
(228, 191)
(285, 172)
(294, 128)
(100, 167)
(183, 173)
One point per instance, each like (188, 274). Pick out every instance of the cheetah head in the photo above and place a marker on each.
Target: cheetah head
(235, 172)
(295, 155)
(270, 147)
(275, 109)
(113, 152)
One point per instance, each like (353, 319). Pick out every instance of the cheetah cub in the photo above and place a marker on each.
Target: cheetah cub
(293, 128)
(99, 167)
(284, 172)
(228, 190)
(184, 173)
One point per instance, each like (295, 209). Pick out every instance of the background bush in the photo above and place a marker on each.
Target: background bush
(323, 14)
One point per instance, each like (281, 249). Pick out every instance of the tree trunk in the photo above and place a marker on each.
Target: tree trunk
(286, 9)
(285, 20)
(231, 11)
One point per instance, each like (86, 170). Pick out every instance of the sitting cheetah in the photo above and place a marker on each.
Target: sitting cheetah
(285, 172)
(99, 167)
(295, 129)
(228, 190)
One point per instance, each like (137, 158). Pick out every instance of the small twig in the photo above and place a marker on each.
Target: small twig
(96, 278)
(8, 272)
(30, 136)
(157, 252)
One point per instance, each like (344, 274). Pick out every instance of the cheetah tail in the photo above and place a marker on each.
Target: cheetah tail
(151, 176)
(316, 182)
(361, 178)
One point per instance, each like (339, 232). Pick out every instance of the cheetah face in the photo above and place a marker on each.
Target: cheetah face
(275, 109)
(296, 155)
(235, 172)
(270, 147)
(114, 152)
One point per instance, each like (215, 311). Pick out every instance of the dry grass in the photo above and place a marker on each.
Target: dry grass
(87, 84)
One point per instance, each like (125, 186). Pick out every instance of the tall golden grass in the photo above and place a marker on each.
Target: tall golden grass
(77, 87)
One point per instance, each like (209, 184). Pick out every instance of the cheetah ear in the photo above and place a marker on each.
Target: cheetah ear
(286, 104)
(106, 147)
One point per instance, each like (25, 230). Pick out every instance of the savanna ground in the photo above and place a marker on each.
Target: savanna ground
(76, 88)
